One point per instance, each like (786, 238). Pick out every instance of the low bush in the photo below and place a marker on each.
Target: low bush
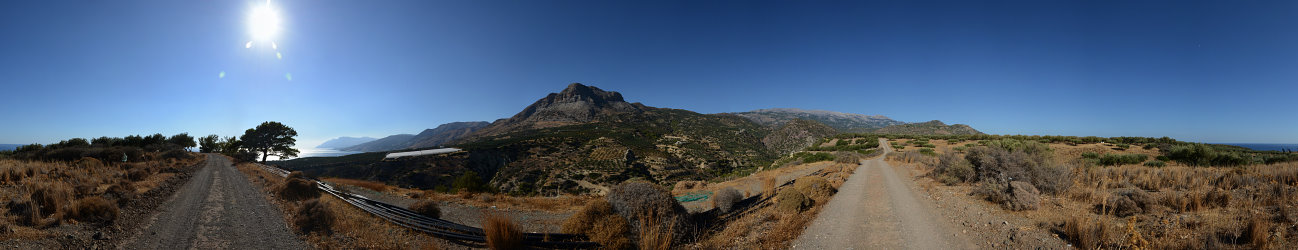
(122, 192)
(501, 232)
(297, 189)
(1127, 202)
(1204, 155)
(726, 198)
(598, 222)
(1016, 196)
(1090, 155)
(814, 187)
(313, 216)
(635, 201)
(790, 200)
(427, 208)
(952, 169)
(93, 210)
(927, 151)
(1155, 163)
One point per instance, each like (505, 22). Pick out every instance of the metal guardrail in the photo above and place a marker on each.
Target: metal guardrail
(438, 227)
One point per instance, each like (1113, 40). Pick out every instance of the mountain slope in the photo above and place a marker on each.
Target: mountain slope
(795, 135)
(445, 133)
(392, 142)
(843, 122)
(576, 138)
(933, 127)
(342, 142)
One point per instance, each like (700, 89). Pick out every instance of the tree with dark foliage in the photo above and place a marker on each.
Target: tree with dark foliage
(270, 138)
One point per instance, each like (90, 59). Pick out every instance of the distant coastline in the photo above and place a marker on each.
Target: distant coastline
(1265, 146)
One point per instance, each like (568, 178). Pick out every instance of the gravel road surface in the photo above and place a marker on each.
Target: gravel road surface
(217, 209)
(878, 209)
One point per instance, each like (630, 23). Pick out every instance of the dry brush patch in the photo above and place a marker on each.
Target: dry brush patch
(1163, 206)
(43, 196)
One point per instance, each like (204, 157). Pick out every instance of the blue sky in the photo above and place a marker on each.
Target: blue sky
(1218, 71)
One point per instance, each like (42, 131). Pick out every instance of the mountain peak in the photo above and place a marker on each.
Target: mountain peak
(581, 92)
(577, 103)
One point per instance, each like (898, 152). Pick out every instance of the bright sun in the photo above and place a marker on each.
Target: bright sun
(264, 23)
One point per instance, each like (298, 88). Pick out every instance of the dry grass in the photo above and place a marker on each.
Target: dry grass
(768, 187)
(297, 189)
(371, 185)
(427, 208)
(501, 232)
(93, 210)
(313, 216)
(655, 235)
(1087, 232)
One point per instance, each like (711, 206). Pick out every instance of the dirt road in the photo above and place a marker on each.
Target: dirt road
(877, 208)
(217, 209)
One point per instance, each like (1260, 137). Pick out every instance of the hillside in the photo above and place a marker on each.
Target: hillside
(445, 133)
(933, 127)
(577, 138)
(796, 135)
(843, 122)
(391, 142)
(342, 142)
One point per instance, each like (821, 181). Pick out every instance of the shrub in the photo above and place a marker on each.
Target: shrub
(1155, 163)
(26, 211)
(1015, 196)
(122, 192)
(1090, 155)
(137, 174)
(636, 200)
(790, 200)
(1162, 158)
(427, 208)
(296, 189)
(468, 181)
(846, 157)
(1129, 201)
(598, 222)
(90, 163)
(1258, 233)
(814, 187)
(93, 210)
(726, 198)
(952, 169)
(313, 216)
(177, 154)
(768, 186)
(501, 232)
(927, 151)
(1122, 159)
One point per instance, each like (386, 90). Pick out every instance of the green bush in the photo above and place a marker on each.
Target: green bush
(1122, 159)
(468, 181)
(952, 169)
(1155, 163)
(1162, 158)
(927, 151)
(1090, 155)
(790, 200)
(1204, 155)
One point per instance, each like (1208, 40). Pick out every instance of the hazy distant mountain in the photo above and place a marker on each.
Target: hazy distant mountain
(428, 138)
(4, 147)
(933, 127)
(445, 133)
(392, 142)
(843, 122)
(342, 142)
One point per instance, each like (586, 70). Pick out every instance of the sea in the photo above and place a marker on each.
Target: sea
(1265, 146)
(317, 152)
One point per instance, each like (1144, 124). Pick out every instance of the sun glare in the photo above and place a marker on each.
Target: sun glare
(264, 23)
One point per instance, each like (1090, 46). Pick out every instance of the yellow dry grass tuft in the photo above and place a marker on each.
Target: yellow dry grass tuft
(501, 232)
